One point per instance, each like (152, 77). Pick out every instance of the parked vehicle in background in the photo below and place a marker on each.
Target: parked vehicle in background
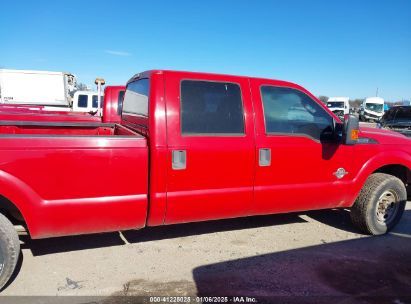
(113, 103)
(195, 147)
(372, 109)
(85, 101)
(340, 106)
(52, 90)
(113, 96)
(397, 119)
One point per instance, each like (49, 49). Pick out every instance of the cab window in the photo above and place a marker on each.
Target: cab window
(136, 98)
(120, 99)
(82, 101)
(95, 101)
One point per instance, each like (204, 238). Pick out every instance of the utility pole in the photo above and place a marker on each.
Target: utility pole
(99, 82)
(376, 94)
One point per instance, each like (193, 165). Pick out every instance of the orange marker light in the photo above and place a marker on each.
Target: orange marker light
(355, 134)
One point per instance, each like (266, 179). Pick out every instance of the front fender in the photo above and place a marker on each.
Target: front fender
(374, 163)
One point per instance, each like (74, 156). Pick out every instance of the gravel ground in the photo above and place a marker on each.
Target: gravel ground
(290, 256)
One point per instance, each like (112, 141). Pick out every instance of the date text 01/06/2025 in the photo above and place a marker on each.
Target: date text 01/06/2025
(209, 299)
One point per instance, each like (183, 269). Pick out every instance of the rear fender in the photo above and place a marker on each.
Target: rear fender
(21, 195)
(51, 218)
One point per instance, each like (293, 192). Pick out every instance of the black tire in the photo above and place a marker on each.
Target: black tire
(380, 204)
(9, 250)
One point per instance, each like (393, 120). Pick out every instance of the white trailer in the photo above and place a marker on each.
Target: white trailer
(50, 89)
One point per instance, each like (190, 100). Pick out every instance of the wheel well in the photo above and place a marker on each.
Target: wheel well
(400, 171)
(10, 210)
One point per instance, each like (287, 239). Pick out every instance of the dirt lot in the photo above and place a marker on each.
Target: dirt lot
(313, 254)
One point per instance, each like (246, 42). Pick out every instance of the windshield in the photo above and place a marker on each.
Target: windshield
(335, 104)
(376, 107)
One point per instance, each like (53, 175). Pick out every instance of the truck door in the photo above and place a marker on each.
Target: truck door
(299, 166)
(210, 136)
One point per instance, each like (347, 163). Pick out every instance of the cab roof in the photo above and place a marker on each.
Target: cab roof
(148, 73)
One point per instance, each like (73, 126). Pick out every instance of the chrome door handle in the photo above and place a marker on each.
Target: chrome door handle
(179, 159)
(264, 157)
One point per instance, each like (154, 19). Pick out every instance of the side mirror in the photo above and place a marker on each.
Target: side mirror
(351, 130)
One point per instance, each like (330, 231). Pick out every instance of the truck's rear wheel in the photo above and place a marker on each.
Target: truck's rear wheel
(380, 204)
(9, 250)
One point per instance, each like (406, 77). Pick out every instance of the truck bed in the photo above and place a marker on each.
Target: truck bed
(71, 178)
(63, 128)
(45, 116)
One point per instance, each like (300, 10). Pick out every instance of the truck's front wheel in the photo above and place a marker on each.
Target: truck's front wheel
(9, 250)
(380, 204)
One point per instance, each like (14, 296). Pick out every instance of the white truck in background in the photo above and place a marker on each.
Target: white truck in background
(339, 105)
(53, 90)
(50, 91)
(86, 101)
(372, 109)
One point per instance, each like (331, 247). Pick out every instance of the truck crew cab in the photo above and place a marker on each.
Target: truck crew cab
(194, 147)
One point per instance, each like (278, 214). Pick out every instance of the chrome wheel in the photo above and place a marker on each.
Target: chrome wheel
(387, 207)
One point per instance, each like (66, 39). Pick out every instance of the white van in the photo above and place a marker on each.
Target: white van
(86, 101)
(372, 109)
(339, 105)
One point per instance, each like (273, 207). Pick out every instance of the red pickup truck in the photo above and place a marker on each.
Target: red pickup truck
(195, 147)
(113, 96)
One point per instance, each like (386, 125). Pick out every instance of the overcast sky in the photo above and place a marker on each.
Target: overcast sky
(334, 48)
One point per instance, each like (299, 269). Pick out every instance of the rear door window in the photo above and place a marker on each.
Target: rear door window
(214, 108)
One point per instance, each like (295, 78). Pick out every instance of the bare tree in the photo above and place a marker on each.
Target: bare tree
(81, 86)
(323, 98)
(356, 103)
